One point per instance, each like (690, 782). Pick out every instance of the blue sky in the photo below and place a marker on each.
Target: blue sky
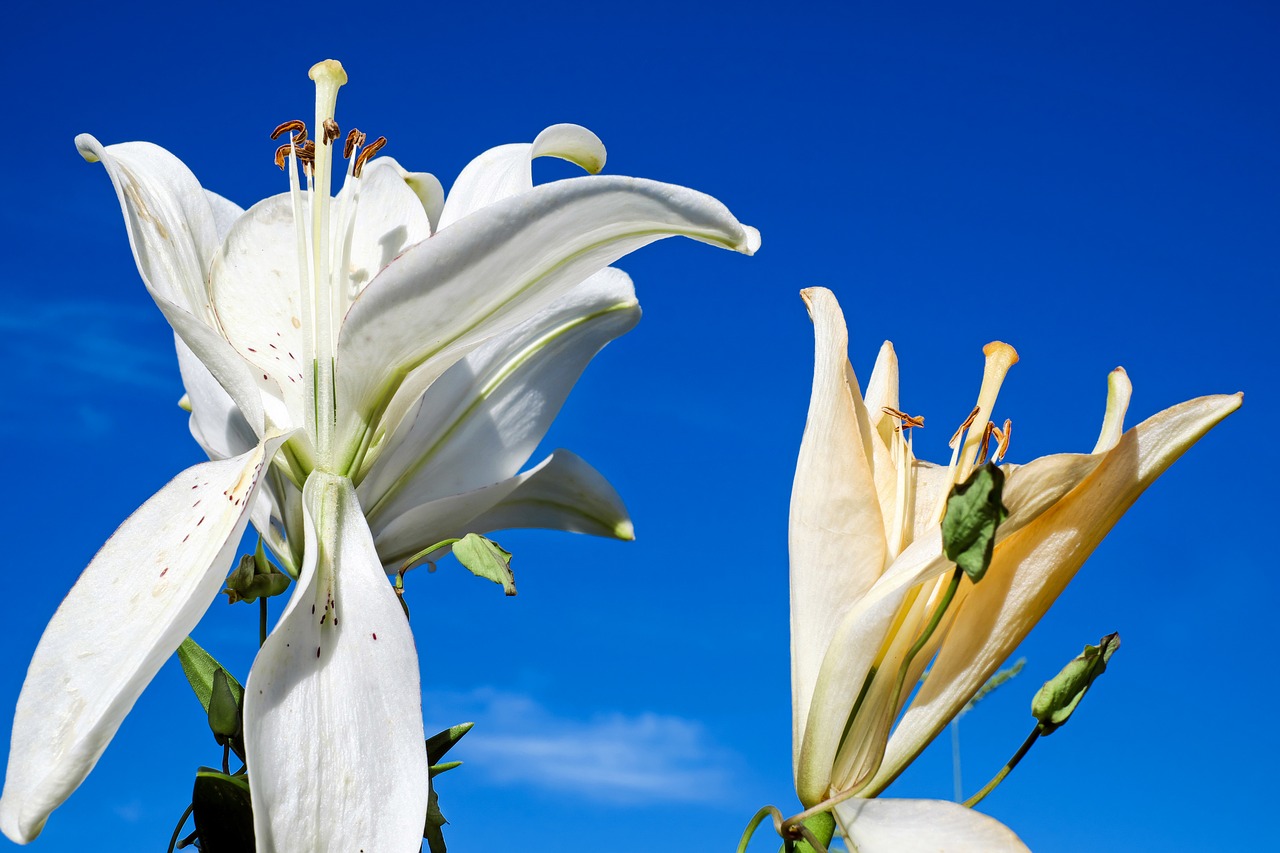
(1095, 183)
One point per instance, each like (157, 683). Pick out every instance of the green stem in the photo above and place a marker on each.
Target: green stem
(1008, 767)
(226, 758)
(408, 564)
(756, 821)
(934, 621)
(262, 622)
(177, 830)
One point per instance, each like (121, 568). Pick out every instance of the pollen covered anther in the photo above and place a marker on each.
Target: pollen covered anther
(1002, 438)
(908, 421)
(987, 431)
(354, 140)
(291, 126)
(968, 422)
(367, 153)
(331, 131)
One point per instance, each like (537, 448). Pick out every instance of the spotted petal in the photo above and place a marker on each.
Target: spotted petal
(135, 602)
(333, 708)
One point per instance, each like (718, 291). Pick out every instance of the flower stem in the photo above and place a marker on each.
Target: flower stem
(177, 830)
(262, 622)
(756, 821)
(1008, 767)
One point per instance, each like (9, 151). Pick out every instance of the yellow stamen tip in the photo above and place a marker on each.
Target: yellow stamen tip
(329, 71)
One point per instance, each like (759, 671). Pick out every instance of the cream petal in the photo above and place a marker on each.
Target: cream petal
(135, 602)
(922, 826)
(882, 392)
(507, 170)
(447, 295)
(173, 231)
(225, 213)
(425, 186)
(1032, 567)
(333, 708)
(389, 218)
(837, 540)
(480, 422)
(1119, 390)
(216, 422)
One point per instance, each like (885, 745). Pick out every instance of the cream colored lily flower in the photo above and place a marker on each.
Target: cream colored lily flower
(867, 568)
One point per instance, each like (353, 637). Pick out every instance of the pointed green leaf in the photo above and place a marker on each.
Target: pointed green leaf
(487, 559)
(1058, 698)
(223, 812)
(199, 666)
(974, 510)
(440, 743)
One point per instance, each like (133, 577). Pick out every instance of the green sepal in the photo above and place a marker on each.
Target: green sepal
(1058, 698)
(436, 769)
(440, 743)
(199, 666)
(486, 559)
(974, 511)
(223, 812)
(823, 827)
(224, 708)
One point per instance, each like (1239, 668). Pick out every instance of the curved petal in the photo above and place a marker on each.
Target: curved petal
(225, 213)
(480, 422)
(333, 708)
(425, 186)
(216, 422)
(882, 392)
(135, 602)
(173, 232)
(922, 826)
(1119, 390)
(447, 295)
(507, 169)
(387, 217)
(1032, 567)
(837, 542)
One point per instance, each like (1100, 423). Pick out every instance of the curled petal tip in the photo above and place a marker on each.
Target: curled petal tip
(571, 142)
(625, 531)
(88, 147)
(751, 244)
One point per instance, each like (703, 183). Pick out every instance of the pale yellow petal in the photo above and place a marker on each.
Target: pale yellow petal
(922, 826)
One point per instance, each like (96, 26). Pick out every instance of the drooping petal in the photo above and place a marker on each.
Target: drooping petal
(425, 186)
(173, 231)
(216, 422)
(507, 169)
(480, 422)
(447, 295)
(135, 602)
(922, 826)
(333, 708)
(1032, 567)
(837, 540)
(561, 492)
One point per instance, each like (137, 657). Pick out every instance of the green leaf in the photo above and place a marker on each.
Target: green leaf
(432, 830)
(487, 559)
(1058, 698)
(199, 667)
(974, 510)
(223, 812)
(436, 769)
(439, 744)
(823, 826)
(224, 707)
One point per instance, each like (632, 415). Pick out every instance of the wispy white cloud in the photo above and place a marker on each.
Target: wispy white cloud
(629, 759)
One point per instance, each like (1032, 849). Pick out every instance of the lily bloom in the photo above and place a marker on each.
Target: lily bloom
(367, 371)
(868, 569)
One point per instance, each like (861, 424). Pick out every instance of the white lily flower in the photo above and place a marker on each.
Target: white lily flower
(868, 571)
(368, 372)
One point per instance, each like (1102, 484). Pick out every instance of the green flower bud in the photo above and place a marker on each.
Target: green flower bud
(1058, 698)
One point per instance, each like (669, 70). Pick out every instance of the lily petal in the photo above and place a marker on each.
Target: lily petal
(225, 213)
(425, 186)
(1031, 568)
(507, 170)
(216, 423)
(922, 826)
(447, 295)
(837, 542)
(480, 422)
(173, 231)
(139, 597)
(333, 708)
(389, 218)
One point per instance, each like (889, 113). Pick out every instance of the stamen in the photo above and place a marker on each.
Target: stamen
(367, 153)
(354, 140)
(968, 422)
(986, 442)
(291, 126)
(908, 421)
(331, 131)
(281, 153)
(1002, 438)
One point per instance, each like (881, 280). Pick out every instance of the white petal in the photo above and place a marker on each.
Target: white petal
(1119, 390)
(447, 295)
(173, 232)
(922, 826)
(390, 217)
(333, 708)
(837, 541)
(480, 422)
(225, 213)
(134, 603)
(507, 170)
(1031, 568)
(216, 422)
(425, 186)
